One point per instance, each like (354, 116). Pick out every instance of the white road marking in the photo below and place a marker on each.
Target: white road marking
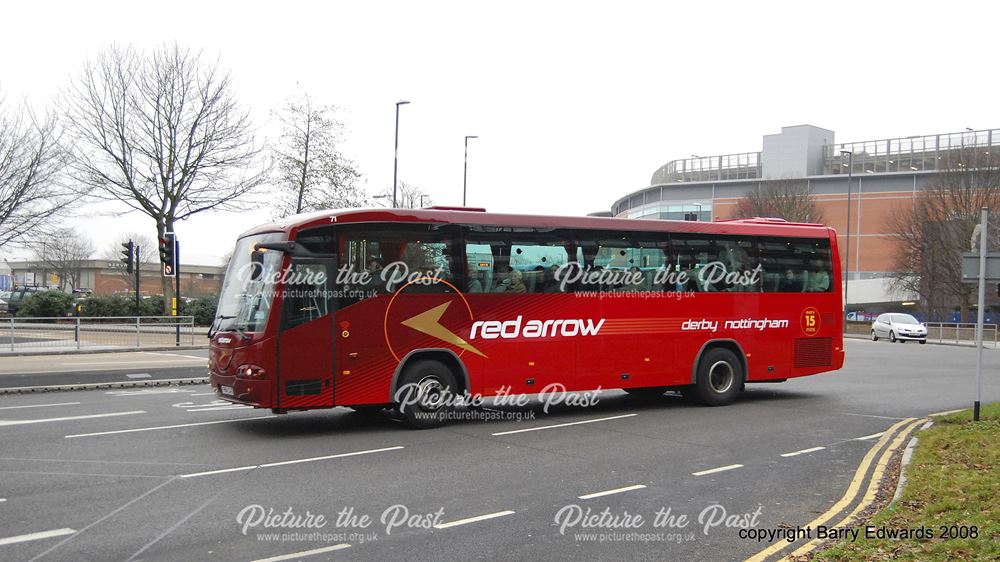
(285, 463)
(37, 536)
(178, 355)
(562, 425)
(149, 391)
(69, 418)
(869, 416)
(162, 427)
(3, 500)
(867, 437)
(609, 492)
(473, 519)
(204, 394)
(714, 470)
(803, 451)
(140, 361)
(218, 408)
(304, 553)
(139, 376)
(947, 412)
(39, 405)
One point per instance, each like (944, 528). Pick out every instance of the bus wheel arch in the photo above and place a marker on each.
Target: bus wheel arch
(444, 356)
(717, 359)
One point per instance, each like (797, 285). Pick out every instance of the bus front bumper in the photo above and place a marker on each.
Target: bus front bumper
(250, 392)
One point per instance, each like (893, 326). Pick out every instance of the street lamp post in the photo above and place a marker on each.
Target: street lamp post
(847, 254)
(465, 172)
(395, 153)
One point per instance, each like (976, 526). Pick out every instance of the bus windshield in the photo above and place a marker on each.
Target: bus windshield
(244, 302)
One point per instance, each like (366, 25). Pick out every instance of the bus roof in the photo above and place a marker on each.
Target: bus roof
(478, 216)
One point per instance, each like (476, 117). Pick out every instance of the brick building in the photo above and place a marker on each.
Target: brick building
(108, 277)
(887, 175)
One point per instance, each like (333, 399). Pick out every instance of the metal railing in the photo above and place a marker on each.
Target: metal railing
(961, 333)
(19, 334)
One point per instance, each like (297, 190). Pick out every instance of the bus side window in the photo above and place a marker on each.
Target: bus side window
(479, 259)
(795, 264)
(308, 296)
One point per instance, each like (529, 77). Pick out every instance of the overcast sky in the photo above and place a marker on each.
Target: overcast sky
(575, 104)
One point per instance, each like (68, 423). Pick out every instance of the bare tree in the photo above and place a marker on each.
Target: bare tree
(63, 251)
(163, 133)
(148, 253)
(790, 199)
(408, 196)
(31, 162)
(311, 173)
(932, 233)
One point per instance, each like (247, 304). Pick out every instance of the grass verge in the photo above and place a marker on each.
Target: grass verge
(952, 492)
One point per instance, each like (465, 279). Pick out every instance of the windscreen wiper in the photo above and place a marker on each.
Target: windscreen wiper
(211, 329)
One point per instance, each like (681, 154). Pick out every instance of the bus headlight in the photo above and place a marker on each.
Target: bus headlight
(250, 372)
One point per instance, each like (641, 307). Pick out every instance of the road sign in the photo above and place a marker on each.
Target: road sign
(970, 267)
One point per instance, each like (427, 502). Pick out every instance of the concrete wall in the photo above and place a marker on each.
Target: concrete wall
(795, 152)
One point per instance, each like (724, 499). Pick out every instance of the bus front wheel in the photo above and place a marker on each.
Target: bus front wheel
(720, 378)
(426, 393)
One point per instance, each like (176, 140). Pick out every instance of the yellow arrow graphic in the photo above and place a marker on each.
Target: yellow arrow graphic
(429, 322)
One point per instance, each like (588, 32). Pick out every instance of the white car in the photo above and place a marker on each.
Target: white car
(898, 328)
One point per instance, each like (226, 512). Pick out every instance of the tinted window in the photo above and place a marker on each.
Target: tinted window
(795, 264)
(514, 260)
(387, 258)
(715, 263)
(308, 294)
(318, 240)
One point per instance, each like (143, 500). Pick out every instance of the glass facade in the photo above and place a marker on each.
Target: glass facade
(676, 211)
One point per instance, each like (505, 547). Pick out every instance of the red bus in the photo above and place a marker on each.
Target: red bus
(350, 307)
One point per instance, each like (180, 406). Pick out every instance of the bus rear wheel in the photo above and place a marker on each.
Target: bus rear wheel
(648, 392)
(720, 378)
(427, 391)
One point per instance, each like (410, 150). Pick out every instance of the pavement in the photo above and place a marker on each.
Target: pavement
(173, 474)
(31, 371)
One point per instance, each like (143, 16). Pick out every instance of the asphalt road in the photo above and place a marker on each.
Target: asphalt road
(170, 474)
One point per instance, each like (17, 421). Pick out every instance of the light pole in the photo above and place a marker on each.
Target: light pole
(847, 263)
(395, 153)
(465, 172)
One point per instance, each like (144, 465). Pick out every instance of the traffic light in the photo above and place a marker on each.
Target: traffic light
(127, 253)
(168, 254)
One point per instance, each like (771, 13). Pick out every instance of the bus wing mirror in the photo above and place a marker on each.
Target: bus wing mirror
(256, 264)
(289, 247)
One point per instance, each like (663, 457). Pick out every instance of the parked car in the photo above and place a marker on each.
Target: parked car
(19, 295)
(898, 327)
(4, 297)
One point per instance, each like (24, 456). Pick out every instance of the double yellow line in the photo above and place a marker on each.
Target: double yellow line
(908, 425)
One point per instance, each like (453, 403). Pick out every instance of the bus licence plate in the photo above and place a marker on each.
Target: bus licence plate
(227, 390)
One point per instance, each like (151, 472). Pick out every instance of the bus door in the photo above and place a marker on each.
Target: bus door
(306, 339)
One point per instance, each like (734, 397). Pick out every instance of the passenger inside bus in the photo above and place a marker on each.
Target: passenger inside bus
(819, 280)
(790, 283)
(512, 283)
(476, 281)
